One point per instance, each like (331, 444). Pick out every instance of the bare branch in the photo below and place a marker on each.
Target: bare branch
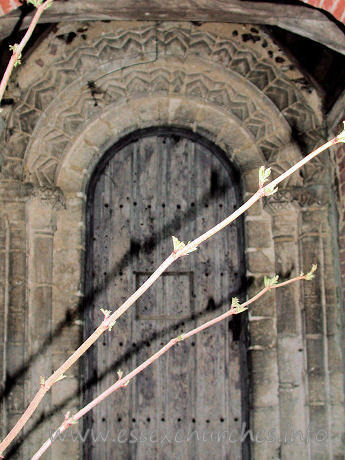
(123, 381)
(17, 49)
(181, 251)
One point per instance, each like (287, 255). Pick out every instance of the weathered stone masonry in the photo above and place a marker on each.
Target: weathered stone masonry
(75, 101)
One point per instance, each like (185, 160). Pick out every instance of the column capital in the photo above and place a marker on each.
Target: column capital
(52, 197)
(287, 200)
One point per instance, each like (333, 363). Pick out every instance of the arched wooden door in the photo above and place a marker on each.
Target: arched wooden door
(155, 184)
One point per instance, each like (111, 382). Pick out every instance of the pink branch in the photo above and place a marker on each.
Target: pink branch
(17, 51)
(176, 254)
(259, 194)
(121, 383)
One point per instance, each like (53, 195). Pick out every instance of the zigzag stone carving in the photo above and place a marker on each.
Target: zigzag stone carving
(81, 84)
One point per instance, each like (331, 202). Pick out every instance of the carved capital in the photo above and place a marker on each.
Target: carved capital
(281, 202)
(52, 197)
(296, 197)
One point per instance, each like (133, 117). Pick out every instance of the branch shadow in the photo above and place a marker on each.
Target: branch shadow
(181, 219)
(88, 388)
(136, 248)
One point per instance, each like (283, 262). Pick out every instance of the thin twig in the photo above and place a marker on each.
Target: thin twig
(18, 48)
(195, 243)
(122, 382)
(176, 254)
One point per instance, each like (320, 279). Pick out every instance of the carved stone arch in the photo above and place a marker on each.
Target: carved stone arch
(78, 163)
(224, 106)
(123, 54)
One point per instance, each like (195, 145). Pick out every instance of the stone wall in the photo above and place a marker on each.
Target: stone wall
(87, 86)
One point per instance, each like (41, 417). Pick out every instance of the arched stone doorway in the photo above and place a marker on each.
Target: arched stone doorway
(92, 93)
(151, 185)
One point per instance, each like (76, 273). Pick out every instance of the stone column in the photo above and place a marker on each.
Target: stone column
(41, 226)
(290, 346)
(264, 401)
(13, 195)
(325, 365)
(67, 318)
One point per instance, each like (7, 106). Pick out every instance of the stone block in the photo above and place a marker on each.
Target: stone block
(336, 380)
(315, 360)
(311, 254)
(258, 234)
(68, 278)
(337, 429)
(291, 371)
(211, 120)
(66, 336)
(42, 259)
(17, 265)
(75, 206)
(333, 319)
(313, 316)
(148, 111)
(40, 305)
(16, 324)
(98, 133)
(260, 262)
(292, 416)
(15, 360)
(246, 156)
(285, 223)
(18, 239)
(314, 221)
(264, 392)
(182, 112)
(122, 122)
(40, 366)
(287, 310)
(15, 397)
(318, 416)
(68, 235)
(67, 307)
(40, 316)
(266, 419)
(316, 389)
(17, 294)
(286, 263)
(11, 169)
(263, 333)
(264, 364)
(70, 180)
(66, 449)
(82, 155)
(292, 408)
(250, 180)
(335, 354)
(64, 390)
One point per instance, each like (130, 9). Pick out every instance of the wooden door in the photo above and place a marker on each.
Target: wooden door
(154, 185)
